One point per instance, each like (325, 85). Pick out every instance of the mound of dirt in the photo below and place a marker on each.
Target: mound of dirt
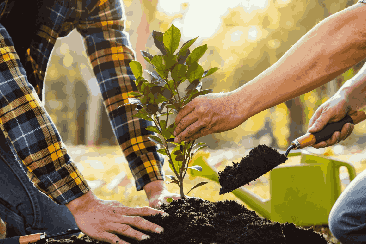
(199, 221)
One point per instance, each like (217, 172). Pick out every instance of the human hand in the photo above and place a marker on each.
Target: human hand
(333, 110)
(160, 198)
(158, 194)
(102, 220)
(207, 114)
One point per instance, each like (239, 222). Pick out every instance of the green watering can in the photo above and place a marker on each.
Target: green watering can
(301, 194)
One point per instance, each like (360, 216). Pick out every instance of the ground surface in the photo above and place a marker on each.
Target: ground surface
(108, 174)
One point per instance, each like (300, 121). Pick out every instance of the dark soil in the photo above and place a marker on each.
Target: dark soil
(199, 221)
(260, 160)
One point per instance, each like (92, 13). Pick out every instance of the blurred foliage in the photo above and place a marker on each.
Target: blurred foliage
(244, 45)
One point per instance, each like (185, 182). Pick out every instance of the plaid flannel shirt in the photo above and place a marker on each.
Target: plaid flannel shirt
(28, 128)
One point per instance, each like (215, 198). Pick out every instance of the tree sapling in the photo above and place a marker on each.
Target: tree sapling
(158, 98)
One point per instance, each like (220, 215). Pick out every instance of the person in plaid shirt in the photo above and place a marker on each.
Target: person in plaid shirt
(30, 142)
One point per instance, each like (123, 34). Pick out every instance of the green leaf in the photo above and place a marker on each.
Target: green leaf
(167, 93)
(196, 167)
(171, 84)
(153, 129)
(199, 148)
(143, 115)
(162, 151)
(198, 185)
(170, 61)
(203, 92)
(186, 45)
(136, 68)
(156, 90)
(151, 103)
(147, 56)
(136, 94)
(210, 71)
(172, 177)
(171, 129)
(174, 180)
(157, 140)
(165, 132)
(183, 56)
(144, 90)
(195, 72)
(163, 124)
(179, 72)
(152, 108)
(177, 163)
(157, 61)
(169, 200)
(199, 144)
(196, 84)
(154, 78)
(179, 157)
(171, 39)
(178, 152)
(160, 99)
(196, 54)
(158, 40)
(144, 99)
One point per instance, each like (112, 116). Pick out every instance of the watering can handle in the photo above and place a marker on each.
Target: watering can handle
(310, 139)
(350, 168)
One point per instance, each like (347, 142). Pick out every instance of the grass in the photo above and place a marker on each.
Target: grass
(108, 173)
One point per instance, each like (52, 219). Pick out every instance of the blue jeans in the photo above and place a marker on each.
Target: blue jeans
(22, 206)
(347, 219)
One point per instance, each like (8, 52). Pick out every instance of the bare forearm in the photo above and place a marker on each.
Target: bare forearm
(325, 52)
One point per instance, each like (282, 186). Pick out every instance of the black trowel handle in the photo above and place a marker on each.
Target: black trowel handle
(311, 139)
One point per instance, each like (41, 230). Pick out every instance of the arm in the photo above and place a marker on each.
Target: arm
(110, 52)
(31, 134)
(326, 51)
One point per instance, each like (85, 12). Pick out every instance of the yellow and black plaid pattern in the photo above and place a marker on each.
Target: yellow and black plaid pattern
(31, 132)
(25, 122)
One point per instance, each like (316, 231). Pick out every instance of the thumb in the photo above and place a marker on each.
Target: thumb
(319, 124)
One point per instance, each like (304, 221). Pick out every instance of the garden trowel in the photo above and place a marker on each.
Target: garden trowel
(263, 159)
(36, 237)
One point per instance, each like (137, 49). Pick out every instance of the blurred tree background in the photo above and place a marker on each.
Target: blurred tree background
(244, 38)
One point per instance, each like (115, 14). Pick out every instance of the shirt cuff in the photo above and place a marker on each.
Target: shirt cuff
(147, 168)
(63, 185)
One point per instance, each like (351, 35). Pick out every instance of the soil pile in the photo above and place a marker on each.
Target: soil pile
(198, 221)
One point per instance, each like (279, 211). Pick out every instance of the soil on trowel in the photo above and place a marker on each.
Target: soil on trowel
(199, 221)
(260, 160)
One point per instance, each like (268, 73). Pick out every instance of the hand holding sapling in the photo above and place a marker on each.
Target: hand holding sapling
(211, 113)
(159, 98)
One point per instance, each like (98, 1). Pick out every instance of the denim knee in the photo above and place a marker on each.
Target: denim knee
(347, 219)
(346, 229)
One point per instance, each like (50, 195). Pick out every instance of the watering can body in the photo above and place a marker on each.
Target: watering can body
(302, 194)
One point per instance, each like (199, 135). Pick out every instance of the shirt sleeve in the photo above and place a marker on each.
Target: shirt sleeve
(30, 132)
(110, 53)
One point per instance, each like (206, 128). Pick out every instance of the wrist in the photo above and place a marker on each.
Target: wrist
(80, 202)
(354, 98)
(154, 187)
(246, 101)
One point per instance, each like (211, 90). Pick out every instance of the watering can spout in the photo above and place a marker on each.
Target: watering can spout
(261, 206)
(258, 204)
